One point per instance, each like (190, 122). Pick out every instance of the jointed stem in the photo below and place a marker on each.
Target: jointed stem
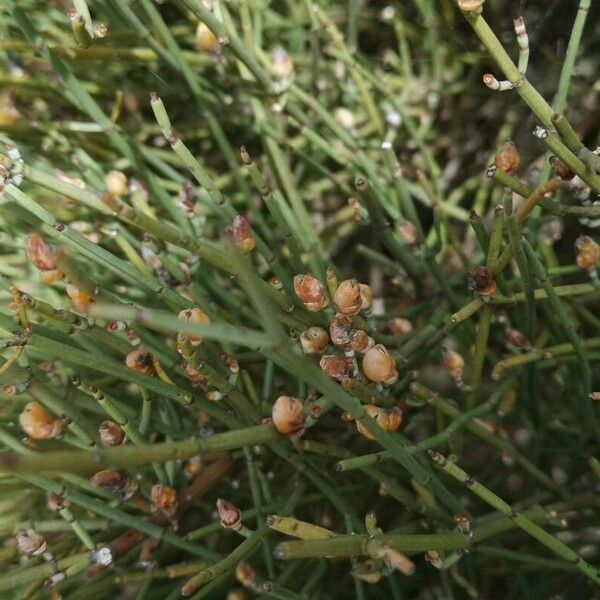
(71, 461)
(527, 525)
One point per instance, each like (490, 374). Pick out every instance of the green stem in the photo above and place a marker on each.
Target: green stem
(479, 430)
(522, 86)
(518, 360)
(520, 257)
(356, 545)
(526, 524)
(479, 353)
(227, 564)
(17, 577)
(480, 232)
(561, 315)
(125, 457)
(560, 99)
(462, 420)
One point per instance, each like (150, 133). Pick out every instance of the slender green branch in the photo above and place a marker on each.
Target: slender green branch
(564, 82)
(227, 564)
(73, 461)
(527, 525)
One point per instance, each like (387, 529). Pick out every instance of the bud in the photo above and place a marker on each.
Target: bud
(339, 368)
(361, 341)
(116, 183)
(111, 434)
(471, 6)
(245, 574)
(347, 297)
(517, 339)
(81, 301)
(433, 557)
(480, 280)
(314, 340)
(463, 524)
(56, 502)
(40, 253)
(588, 252)
(30, 542)
(288, 416)
(117, 482)
(195, 377)
(408, 232)
(229, 515)
(193, 315)
(399, 561)
(345, 118)
(508, 159)
(283, 65)
(379, 366)
(388, 419)
(341, 331)
(242, 233)
(399, 326)
(141, 361)
(357, 210)
(206, 40)
(39, 424)
(561, 170)
(115, 326)
(366, 296)
(164, 498)
(367, 571)
(453, 363)
(311, 291)
(193, 465)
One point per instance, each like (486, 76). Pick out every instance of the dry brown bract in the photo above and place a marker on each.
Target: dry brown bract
(141, 361)
(508, 159)
(588, 252)
(339, 368)
(116, 481)
(481, 280)
(193, 315)
(40, 253)
(165, 499)
(229, 515)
